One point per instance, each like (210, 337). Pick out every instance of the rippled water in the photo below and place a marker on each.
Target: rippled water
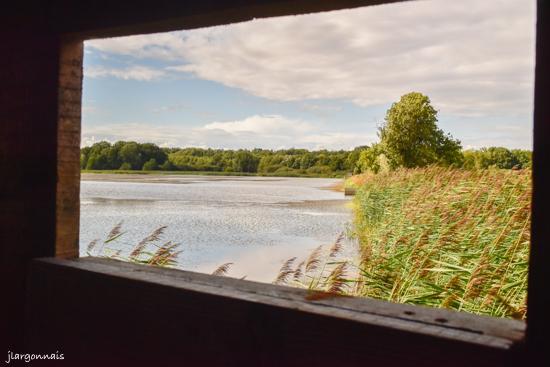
(254, 222)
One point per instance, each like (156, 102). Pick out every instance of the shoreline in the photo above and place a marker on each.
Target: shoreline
(208, 173)
(184, 179)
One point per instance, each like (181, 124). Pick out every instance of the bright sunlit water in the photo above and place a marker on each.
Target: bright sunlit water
(255, 222)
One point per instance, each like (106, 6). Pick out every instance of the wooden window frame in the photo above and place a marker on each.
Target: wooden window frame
(388, 332)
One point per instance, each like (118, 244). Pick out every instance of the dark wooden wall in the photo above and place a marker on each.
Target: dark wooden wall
(28, 162)
(538, 313)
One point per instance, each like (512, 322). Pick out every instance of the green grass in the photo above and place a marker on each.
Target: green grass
(217, 173)
(439, 237)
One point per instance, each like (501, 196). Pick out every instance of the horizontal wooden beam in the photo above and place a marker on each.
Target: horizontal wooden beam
(106, 18)
(132, 312)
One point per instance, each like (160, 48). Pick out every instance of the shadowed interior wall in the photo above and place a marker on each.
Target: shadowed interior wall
(28, 131)
(538, 296)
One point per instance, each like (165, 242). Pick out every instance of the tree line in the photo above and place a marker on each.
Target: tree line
(124, 155)
(409, 138)
(129, 155)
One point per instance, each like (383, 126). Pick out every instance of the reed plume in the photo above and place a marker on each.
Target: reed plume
(336, 280)
(164, 254)
(285, 272)
(298, 272)
(154, 236)
(115, 232)
(337, 246)
(314, 260)
(222, 270)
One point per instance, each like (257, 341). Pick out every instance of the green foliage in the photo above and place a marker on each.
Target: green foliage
(130, 153)
(372, 160)
(288, 162)
(523, 157)
(121, 155)
(410, 136)
(246, 161)
(497, 157)
(125, 166)
(166, 166)
(150, 165)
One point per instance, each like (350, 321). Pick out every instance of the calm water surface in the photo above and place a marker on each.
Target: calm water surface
(255, 222)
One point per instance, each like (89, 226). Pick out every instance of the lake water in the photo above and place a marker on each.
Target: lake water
(254, 222)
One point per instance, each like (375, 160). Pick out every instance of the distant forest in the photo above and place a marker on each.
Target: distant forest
(124, 155)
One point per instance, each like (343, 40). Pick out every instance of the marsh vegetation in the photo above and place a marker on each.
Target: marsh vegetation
(433, 224)
(433, 236)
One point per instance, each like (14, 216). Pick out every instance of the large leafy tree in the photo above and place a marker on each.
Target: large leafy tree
(410, 136)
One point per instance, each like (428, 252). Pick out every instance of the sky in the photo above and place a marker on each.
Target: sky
(318, 81)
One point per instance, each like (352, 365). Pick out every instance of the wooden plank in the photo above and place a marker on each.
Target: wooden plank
(203, 319)
(503, 332)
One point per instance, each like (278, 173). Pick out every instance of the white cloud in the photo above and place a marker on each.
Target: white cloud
(270, 132)
(141, 73)
(266, 125)
(471, 57)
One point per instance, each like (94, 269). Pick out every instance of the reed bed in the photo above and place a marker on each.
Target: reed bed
(439, 237)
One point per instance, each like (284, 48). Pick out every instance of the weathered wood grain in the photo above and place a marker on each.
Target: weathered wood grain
(127, 312)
